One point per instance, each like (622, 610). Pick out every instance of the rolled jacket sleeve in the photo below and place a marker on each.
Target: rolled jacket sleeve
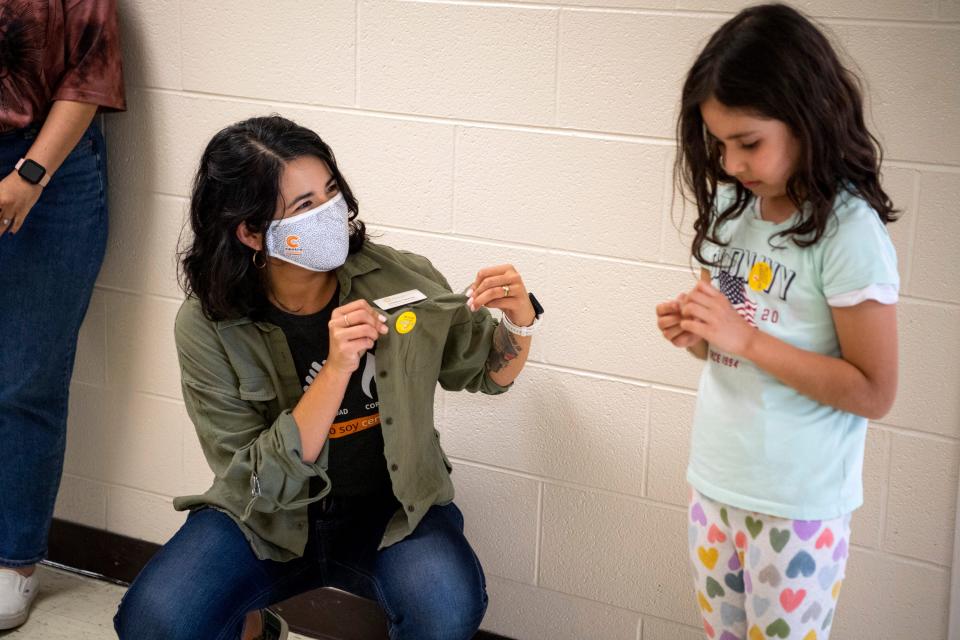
(240, 446)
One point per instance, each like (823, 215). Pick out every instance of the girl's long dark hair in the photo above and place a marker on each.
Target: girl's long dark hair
(772, 61)
(239, 181)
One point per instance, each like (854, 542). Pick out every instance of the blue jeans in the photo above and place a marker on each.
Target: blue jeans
(47, 273)
(203, 582)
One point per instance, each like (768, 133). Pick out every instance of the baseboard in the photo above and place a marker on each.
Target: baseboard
(326, 614)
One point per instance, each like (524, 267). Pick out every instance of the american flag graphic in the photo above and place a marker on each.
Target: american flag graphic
(736, 291)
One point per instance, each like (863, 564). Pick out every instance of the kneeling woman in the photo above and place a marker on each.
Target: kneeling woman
(314, 407)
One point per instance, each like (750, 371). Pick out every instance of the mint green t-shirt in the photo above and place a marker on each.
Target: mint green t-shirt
(759, 444)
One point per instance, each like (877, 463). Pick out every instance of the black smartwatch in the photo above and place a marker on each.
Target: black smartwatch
(537, 307)
(33, 172)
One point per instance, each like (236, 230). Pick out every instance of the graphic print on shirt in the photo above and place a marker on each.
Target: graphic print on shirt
(736, 291)
(760, 272)
(21, 52)
(360, 409)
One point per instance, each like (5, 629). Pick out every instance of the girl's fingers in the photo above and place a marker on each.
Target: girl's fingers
(695, 310)
(667, 321)
(695, 327)
(671, 307)
(699, 298)
(685, 339)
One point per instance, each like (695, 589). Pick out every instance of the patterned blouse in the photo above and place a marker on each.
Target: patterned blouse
(57, 50)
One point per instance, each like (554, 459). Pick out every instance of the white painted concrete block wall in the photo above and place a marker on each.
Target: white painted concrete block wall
(538, 133)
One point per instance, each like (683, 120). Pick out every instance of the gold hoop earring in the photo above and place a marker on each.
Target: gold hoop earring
(259, 265)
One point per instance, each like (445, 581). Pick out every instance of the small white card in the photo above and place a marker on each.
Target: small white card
(400, 299)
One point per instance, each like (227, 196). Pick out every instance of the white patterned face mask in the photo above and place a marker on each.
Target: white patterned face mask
(318, 239)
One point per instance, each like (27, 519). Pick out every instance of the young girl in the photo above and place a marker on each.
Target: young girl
(795, 315)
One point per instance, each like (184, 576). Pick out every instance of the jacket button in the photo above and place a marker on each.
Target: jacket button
(393, 467)
(410, 508)
(383, 374)
(389, 421)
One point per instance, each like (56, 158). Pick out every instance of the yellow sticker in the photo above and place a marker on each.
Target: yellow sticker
(406, 321)
(760, 276)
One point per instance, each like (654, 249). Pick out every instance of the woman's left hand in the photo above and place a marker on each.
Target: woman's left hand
(17, 197)
(502, 288)
(707, 313)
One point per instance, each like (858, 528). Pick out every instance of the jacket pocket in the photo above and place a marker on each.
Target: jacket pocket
(259, 389)
(421, 349)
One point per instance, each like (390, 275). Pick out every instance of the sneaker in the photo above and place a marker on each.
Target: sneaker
(16, 595)
(274, 627)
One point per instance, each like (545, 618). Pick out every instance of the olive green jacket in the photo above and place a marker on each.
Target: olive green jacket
(239, 385)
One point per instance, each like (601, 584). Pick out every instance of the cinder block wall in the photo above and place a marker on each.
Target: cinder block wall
(540, 134)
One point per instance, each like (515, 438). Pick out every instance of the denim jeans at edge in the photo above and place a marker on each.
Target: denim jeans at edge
(202, 583)
(47, 273)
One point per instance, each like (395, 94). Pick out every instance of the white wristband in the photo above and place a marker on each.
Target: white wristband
(520, 331)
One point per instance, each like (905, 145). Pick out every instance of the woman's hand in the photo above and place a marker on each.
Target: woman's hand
(17, 197)
(706, 313)
(668, 321)
(502, 288)
(353, 329)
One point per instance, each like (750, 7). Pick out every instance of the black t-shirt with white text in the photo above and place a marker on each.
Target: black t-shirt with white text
(356, 464)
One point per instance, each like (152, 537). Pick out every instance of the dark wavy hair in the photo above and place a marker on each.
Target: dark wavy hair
(239, 181)
(772, 61)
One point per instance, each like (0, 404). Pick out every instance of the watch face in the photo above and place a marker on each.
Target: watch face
(32, 172)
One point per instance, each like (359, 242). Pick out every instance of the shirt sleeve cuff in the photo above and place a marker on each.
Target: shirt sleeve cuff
(882, 293)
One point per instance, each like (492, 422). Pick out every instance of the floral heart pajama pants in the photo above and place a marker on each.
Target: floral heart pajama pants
(759, 576)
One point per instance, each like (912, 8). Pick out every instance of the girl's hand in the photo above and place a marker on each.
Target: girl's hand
(668, 321)
(708, 314)
(502, 288)
(353, 329)
(17, 197)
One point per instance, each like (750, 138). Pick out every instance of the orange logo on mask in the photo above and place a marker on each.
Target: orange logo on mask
(293, 246)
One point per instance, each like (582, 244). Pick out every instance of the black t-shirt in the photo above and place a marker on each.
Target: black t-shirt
(356, 464)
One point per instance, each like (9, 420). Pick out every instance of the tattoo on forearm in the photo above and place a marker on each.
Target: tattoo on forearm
(505, 349)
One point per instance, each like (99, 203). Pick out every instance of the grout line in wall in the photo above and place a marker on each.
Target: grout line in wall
(427, 119)
(942, 304)
(539, 543)
(596, 375)
(490, 242)
(180, 36)
(916, 433)
(921, 166)
(591, 134)
(678, 12)
(356, 52)
(139, 294)
(912, 229)
(574, 596)
(647, 437)
(152, 494)
(556, 71)
(666, 210)
(453, 180)
(558, 482)
(885, 486)
(914, 562)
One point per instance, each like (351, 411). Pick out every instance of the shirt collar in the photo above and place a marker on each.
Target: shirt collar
(357, 264)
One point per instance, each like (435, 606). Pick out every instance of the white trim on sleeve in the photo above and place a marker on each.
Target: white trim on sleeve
(882, 293)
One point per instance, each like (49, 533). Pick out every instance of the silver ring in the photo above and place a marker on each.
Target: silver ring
(345, 321)
(5, 222)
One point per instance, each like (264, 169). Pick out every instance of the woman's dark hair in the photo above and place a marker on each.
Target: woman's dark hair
(772, 61)
(239, 181)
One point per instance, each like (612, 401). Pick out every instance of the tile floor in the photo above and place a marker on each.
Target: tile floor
(73, 607)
